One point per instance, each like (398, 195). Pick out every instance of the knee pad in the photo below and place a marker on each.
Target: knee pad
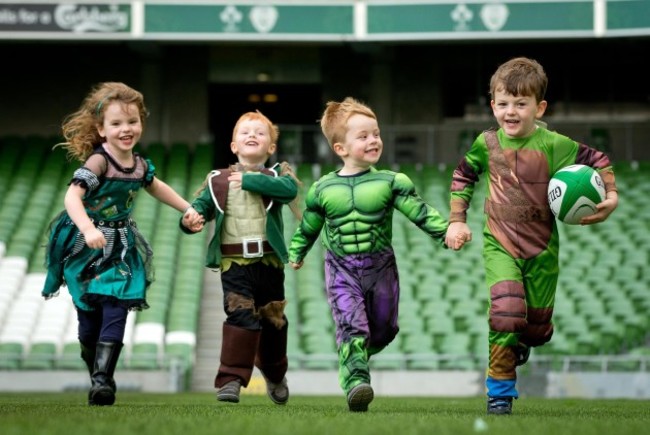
(241, 311)
(540, 329)
(507, 307)
(235, 301)
(274, 313)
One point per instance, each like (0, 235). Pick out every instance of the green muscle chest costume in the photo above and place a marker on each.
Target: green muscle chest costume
(356, 213)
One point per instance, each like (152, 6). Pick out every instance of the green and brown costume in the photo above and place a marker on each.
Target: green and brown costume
(521, 242)
(248, 247)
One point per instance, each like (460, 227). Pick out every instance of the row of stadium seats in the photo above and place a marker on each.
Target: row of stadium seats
(601, 306)
(42, 334)
(602, 298)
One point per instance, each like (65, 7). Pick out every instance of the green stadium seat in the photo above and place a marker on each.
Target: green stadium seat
(40, 356)
(416, 343)
(148, 343)
(11, 355)
(70, 357)
(181, 353)
(439, 326)
(559, 345)
(587, 343)
(314, 362)
(422, 361)
(295, 357)
(318, 342)
(390, 358)
(145, 356)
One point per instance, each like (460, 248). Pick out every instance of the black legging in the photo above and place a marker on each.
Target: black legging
(107, 323)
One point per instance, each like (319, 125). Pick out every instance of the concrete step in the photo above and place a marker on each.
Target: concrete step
(208, 345)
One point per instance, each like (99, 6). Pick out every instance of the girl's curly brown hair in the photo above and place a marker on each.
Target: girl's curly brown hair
(80, 128)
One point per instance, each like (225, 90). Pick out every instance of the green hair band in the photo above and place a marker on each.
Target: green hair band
(101, 103)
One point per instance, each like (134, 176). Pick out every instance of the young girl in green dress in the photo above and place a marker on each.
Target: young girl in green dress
(95, 248)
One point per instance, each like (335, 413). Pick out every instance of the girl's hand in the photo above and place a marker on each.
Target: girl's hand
(94, 238)
(296, 266)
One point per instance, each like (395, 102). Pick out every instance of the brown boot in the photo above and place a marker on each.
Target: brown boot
(238, 348)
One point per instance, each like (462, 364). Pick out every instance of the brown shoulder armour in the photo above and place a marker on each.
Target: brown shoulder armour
(219, 187)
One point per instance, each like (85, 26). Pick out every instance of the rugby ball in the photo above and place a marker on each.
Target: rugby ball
(573, 193)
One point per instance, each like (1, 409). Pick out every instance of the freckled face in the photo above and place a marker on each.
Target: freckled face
(252, 142)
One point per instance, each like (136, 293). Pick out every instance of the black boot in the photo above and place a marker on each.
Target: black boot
(102, 391)
(88, 357)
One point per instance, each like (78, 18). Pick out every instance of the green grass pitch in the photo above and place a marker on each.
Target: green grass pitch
(200, 413)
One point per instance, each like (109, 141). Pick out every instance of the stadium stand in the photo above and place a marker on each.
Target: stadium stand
(601, 304)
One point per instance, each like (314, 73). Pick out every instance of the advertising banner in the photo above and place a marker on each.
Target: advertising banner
(25, 18)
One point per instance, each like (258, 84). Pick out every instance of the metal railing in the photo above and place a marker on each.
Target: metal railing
(623, 140)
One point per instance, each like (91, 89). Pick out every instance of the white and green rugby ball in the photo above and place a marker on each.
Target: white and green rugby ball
(573, 193)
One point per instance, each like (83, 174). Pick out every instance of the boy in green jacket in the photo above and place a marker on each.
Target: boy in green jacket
(245, 201)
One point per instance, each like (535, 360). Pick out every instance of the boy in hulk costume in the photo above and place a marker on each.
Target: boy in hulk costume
(354, 207)
(521, 242)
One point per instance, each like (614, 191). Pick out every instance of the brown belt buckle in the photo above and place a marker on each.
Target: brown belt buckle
(253, 242)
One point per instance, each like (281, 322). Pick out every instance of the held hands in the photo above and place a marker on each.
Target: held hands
(461, 239)
(192, 220)
(605, 208)
(296, 266)
(458, 234)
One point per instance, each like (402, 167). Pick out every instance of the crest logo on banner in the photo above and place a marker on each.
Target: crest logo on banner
(231, 16)
(263, 18)
(494, 16)
(462, 15)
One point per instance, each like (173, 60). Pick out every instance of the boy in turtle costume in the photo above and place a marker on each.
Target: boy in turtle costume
(521, 241)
